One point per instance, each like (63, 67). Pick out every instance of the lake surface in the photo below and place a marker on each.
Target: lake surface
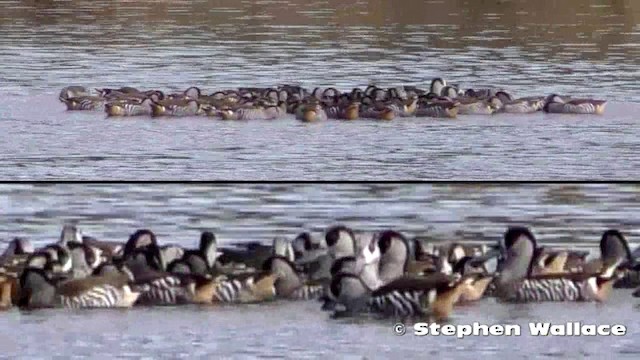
(567, 215)
(583, 48)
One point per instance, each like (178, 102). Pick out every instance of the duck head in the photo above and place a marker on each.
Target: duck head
(17, 246)
(437, 85)
(449, 91)
(301, 245)
(614, 246)
(70, 233)
(340, 241)
(395, 254)
(72, 91)
(193, 92)
(209, 248)
(142, 247)
(518, 250)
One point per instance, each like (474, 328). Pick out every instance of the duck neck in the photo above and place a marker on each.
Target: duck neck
(390, 271)
(370, 276)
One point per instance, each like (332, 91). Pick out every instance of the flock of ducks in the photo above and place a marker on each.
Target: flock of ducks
(350, 273)
(440, 101)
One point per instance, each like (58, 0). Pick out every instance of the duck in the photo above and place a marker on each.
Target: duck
(134, 97)
(400, 106)
(437, 85)
(433, 295)
(176, 107)
(546, 262)
(439, 108)
(129, 108)
(559, 105)
(105, 92)
(145, 267)
(305, 247)
(516, 283)
(504, 103)
(451, 92)
(474, 106)
(192, 93)
(289, 283)
(243, 258)
(312, 258)
(479, 279)
(483, 93)
(144, 260)
(72, 91)
(201, 261)
(386, 114)
(409, 106)
(108, 249)
(40, 289)
(84, 102)
(395, 255)
(9, 291)
(59, 258)
(312, 113)
(18, 246)
(84, 259)
(252, 113)
(349, 112)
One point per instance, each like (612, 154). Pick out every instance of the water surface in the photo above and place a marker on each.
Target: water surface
(584, 48)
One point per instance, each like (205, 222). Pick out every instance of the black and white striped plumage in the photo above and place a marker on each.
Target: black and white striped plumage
(402, 303)
(442, 109)
(85, 103)
(540, 290)
(516, 283)
(128, 108)
(308, 292)
(104, 296)
(244, 289)
(166, 290)
(228, 291)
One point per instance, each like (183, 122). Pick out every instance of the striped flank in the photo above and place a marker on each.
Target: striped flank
(396, 303)
(168, 290)
(541, 290)
(104, 296)
(308, 292)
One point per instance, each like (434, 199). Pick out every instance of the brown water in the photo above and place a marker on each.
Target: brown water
(584, 48)
(566, 215)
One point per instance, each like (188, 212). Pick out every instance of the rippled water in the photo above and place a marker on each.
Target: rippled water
(572, 215)
(586, 48)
